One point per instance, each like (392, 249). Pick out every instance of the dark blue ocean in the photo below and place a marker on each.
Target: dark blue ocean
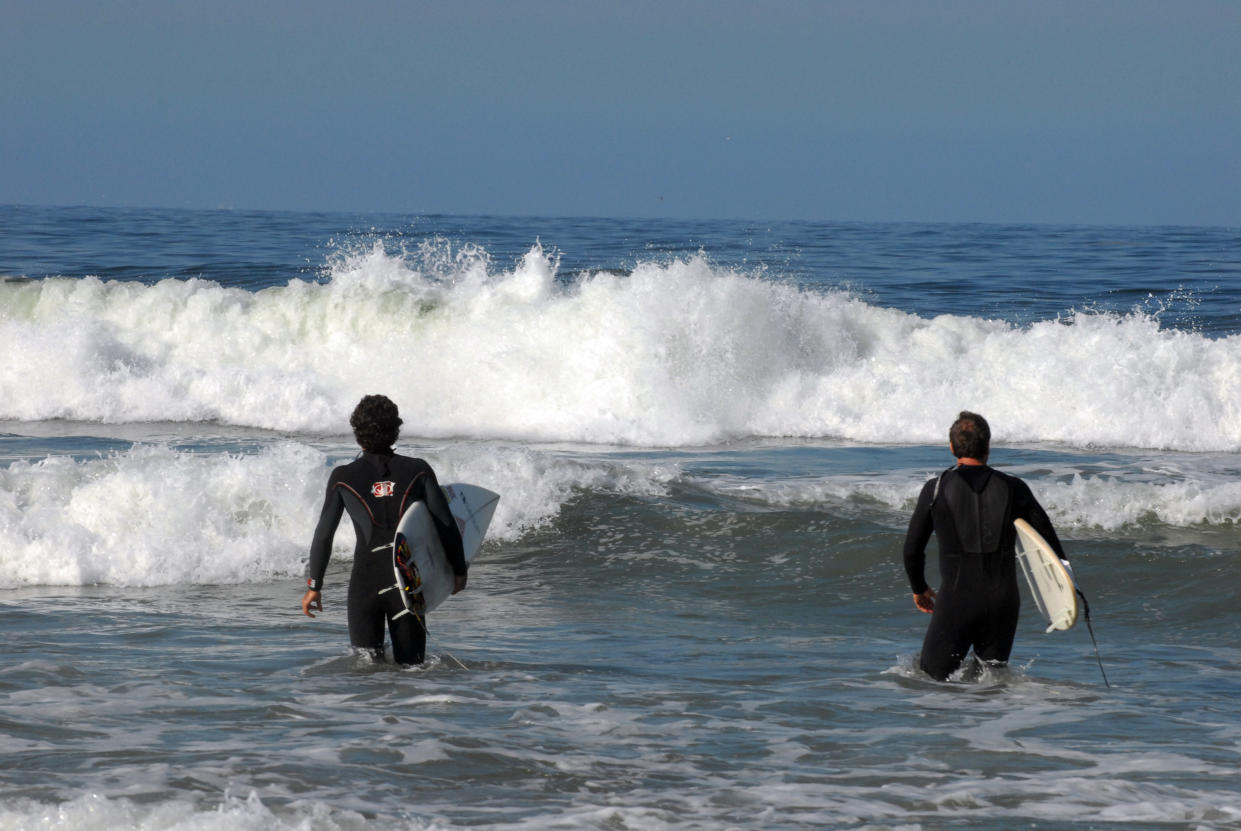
(690, 612)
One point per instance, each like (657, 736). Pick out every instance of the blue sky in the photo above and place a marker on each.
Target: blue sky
(1104, 112)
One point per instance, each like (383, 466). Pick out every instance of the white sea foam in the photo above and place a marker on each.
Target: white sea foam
(771, 801)
(153, 516)
(156, 516)
(674, 353)
(94, 812)
(1200, 490)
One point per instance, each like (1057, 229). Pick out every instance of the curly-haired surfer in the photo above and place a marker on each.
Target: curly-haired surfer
(375, 489)
(971, 508)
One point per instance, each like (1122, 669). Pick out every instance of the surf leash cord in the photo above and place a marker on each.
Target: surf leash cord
(418, 618)
(1090, 629)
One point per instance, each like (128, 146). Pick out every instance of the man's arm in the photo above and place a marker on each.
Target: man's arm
(1027, 508)
(321, 548)
(920, 527)
(449, 533)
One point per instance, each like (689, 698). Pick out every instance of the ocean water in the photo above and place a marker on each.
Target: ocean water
(690, 612)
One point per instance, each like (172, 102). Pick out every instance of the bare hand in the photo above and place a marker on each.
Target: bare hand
(311, 600)
(458, 583)
(925, 601)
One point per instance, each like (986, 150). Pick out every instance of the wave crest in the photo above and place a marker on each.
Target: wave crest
(672, 353)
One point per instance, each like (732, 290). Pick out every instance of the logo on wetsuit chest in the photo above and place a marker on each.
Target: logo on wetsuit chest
(383, 489)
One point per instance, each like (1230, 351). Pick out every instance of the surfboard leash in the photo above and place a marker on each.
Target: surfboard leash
(1090, 629)
(427, 634)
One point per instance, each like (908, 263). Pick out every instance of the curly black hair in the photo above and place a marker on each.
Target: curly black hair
(376, 423)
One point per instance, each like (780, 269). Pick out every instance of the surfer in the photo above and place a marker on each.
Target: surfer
(971, 508)
(375, 489)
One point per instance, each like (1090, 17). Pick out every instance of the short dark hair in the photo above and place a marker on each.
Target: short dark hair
(970, 436)
(376, 423)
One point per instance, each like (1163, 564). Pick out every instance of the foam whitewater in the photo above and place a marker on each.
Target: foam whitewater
(673, 353)
(124, 518)
(497, 368)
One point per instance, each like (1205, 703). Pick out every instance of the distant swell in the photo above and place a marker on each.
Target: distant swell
(673, 354)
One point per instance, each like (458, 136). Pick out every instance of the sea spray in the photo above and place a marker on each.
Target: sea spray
(673, 353)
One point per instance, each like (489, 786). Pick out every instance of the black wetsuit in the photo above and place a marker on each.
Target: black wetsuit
(971, 510)
(376, 489)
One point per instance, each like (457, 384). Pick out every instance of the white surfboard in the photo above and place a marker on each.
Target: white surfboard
(424, 577)
(1050, 581)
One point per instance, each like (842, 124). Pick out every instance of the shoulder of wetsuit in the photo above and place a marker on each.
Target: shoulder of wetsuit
(345, 472)
(410, 466)
(1018, 484)
(938, 483)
